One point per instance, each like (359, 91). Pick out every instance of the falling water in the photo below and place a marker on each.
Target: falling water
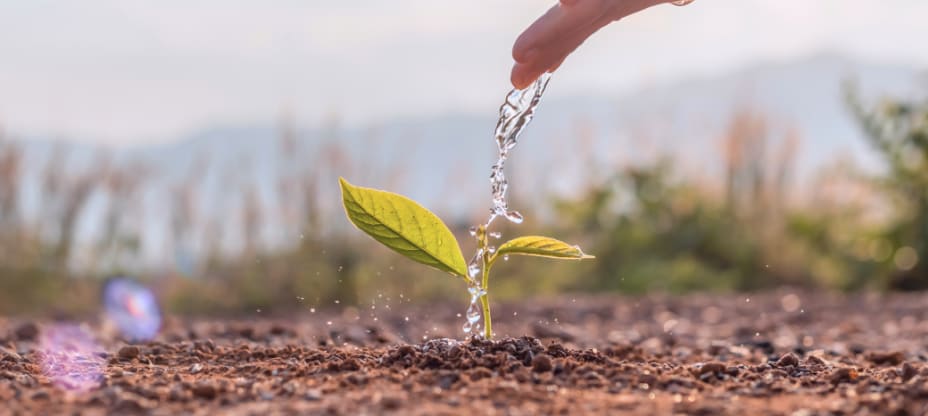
(516, 112)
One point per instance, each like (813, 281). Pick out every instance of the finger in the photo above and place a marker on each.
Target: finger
(557, 65)
(523, 73)
(560, 21)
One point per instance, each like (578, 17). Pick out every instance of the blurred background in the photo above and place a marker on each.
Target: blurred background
(730, 145)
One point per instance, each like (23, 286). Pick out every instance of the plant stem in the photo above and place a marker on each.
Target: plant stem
(487, 322)
(485, 302)
(485, 285)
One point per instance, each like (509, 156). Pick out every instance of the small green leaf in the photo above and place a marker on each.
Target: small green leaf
(404, 226)
(541, 247)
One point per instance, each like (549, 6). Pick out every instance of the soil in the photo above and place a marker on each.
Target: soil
(783, 353)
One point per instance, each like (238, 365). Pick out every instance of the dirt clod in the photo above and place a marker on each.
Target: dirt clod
(712, 368)
(908, 371)
(27, 331)
(204, 390)
(843, 375)
(129, 352)
(886, 358)
(542, 363)
(788, 360)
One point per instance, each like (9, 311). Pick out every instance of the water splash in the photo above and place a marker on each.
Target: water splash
(515, 113)
(472, 315)
(133, 308)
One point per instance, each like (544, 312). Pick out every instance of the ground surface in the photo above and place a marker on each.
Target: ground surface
(779, 353)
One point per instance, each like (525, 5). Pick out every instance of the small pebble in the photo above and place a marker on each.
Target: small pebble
(843, 375)
(204, 391)
(542, 363)
(27, 331)
(908, 371)
(788, 360)
(713, 367)
(128, 352)
(313, 395)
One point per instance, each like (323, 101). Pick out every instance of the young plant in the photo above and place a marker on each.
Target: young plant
(415, 232)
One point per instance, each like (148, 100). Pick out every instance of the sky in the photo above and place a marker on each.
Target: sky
(125, 72)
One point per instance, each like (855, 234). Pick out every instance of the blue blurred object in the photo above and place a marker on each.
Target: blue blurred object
(133, 308)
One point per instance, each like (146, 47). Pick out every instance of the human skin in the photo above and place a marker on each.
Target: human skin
(547, 42)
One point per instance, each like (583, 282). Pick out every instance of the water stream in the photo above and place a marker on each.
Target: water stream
(515, 113)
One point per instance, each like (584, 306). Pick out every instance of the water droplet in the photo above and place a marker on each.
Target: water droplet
(505, 257)
(258, 310)
(475, 265)
(312, 310)
(495, 234)
(514, 216)
(406, 319)
(472, 231)
(337, 301)
(328, 322)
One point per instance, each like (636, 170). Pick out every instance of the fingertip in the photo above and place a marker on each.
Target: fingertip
(523, 75)
(518, 77)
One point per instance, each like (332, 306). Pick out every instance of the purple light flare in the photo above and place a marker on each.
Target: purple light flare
(71, 358)
(133, 308)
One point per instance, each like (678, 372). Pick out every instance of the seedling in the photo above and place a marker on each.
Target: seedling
(415, 232)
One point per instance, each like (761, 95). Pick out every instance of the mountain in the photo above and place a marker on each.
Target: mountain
(444, 161)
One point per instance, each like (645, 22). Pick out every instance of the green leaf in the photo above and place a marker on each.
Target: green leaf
(404, 226)
(541, 247)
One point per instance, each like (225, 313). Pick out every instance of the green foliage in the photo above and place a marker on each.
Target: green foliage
(415, 232)
(540, 247)
(663, 236)
(404, 226)
(898, 131)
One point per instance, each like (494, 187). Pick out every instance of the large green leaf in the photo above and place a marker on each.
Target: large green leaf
(404, 226)
(541, 247)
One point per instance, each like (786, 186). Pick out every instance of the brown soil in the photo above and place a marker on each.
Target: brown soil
(778, 353)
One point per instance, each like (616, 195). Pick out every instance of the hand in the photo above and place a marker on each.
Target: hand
(544, 45)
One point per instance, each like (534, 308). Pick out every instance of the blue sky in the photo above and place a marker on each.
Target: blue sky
(124, 72)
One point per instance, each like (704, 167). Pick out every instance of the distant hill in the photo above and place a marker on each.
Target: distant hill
(444, 161)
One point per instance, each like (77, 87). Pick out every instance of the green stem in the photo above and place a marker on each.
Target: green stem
(485, 300)
(487, 322)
